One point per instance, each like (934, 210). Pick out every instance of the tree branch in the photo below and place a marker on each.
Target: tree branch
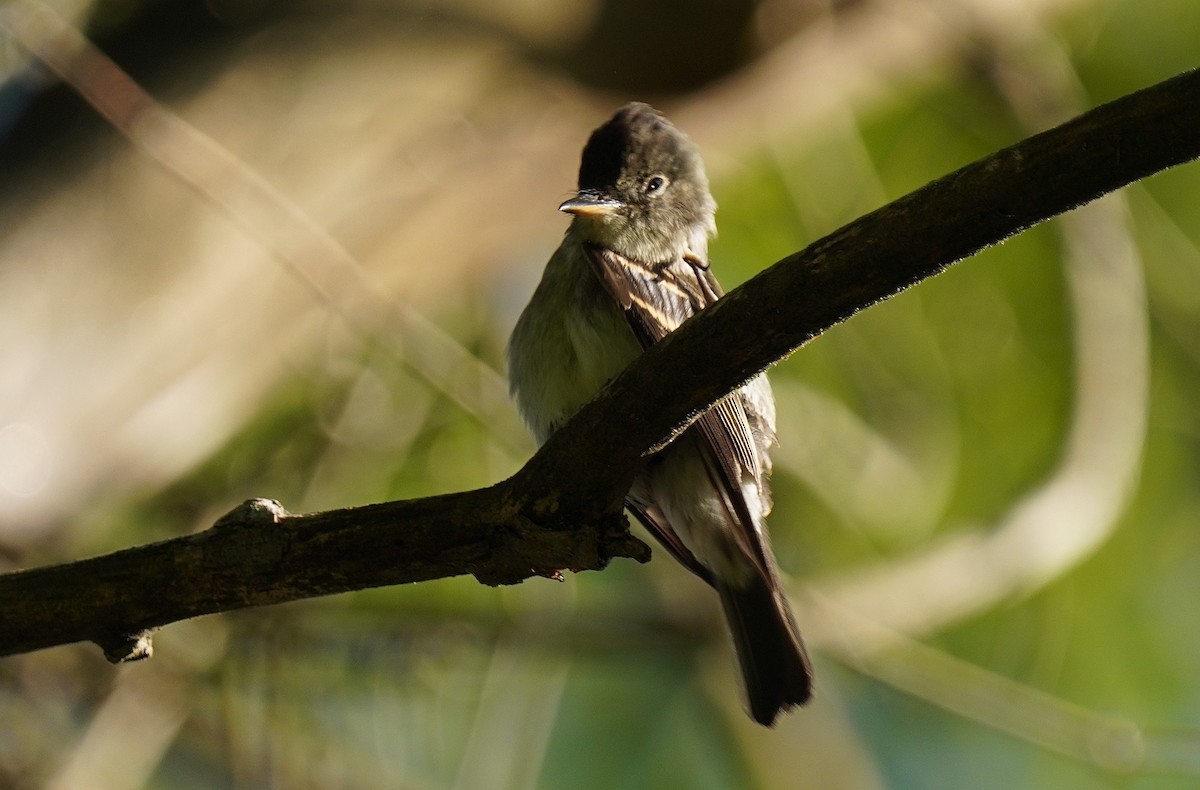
(563, 509)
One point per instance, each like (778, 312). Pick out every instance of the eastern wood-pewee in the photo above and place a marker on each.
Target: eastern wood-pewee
(632, 267)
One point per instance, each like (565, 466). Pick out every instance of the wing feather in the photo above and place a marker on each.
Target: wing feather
(656, 299)
(653, 520)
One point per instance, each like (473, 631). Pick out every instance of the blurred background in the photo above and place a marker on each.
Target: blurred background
(275, 249)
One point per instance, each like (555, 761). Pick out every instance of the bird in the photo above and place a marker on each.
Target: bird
(632, 266)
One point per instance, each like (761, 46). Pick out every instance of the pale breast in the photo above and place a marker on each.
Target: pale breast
(570, 340)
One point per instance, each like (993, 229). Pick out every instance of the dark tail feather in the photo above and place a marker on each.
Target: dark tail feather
(775, 665)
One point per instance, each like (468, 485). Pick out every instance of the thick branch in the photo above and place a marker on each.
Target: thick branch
(259, 554)
(562, 510)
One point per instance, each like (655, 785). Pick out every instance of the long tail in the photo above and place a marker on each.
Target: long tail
(775, 665)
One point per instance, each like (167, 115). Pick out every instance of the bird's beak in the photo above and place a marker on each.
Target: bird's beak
(590, 203)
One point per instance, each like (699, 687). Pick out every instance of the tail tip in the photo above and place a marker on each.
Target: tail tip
(767, 705)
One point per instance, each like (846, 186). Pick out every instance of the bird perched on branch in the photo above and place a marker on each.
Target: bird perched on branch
(631, 268)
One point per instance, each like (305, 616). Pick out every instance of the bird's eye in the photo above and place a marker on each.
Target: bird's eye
(654, 184)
